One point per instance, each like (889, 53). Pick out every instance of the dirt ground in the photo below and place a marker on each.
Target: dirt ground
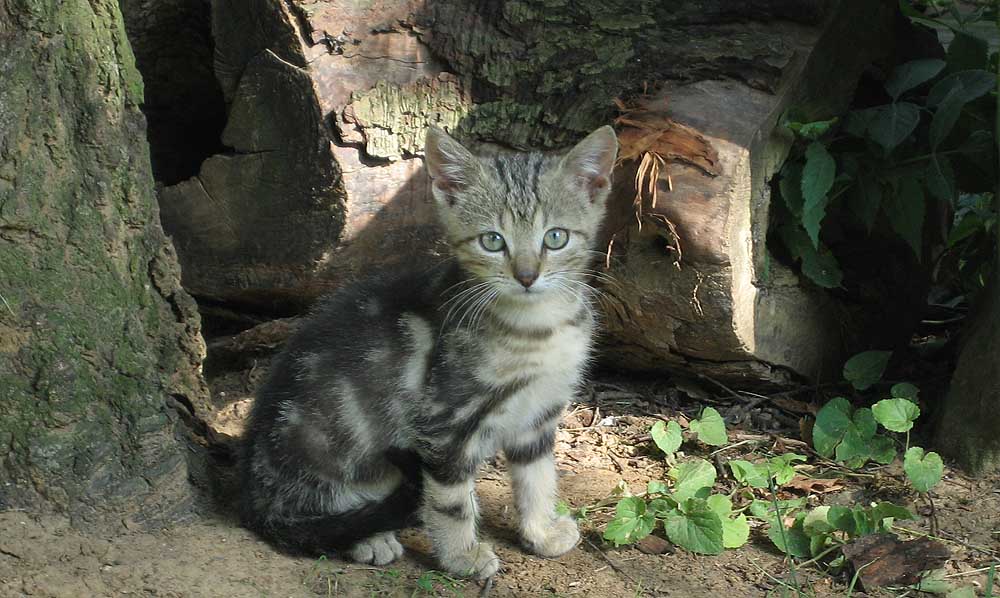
(604, 439)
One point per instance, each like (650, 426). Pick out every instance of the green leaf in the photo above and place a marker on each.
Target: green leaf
(660, 507)
(934, 582)
(973, 83)
(813, 130)
(794, 541)
(822, 268)
(962, 592)
(904, 390)
(695, 527)
(832, 422)
(856, 122)
(923, 470)
(911, 74)
(656, 487)
(967, 52)
(946, 115)
(667, 436)
(632, 522)
(884, 510)
(690, 477)
(816, 522)
(790, 187)
(905, 210)
(710, 428)
(735, 531)
(749, 473)
(866, 368)
(721, 504)
(842, 518)
(897, 415)
(893, 123)
(864, 200)
(940, 179)
(765, 509)
(817, 179)
(882, 449)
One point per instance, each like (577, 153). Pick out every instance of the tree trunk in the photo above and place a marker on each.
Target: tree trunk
(328, 103)
(96, 334)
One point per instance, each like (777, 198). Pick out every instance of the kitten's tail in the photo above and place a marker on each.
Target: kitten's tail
(318, 534)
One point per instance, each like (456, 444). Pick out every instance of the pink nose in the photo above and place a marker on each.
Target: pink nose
(526, 277)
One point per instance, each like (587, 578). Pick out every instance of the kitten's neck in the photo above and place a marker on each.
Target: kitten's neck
(541, 312)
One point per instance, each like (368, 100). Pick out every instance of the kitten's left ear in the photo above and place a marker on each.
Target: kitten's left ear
(592, 160)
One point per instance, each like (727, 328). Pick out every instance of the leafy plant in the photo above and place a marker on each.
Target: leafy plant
(930, 143)
(692, 516)
(821, 530)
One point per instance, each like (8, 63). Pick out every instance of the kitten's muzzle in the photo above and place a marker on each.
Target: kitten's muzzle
(526, 277)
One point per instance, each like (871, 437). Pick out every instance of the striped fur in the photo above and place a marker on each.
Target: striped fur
(381, 408)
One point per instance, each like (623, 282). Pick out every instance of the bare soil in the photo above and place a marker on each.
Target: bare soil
(603, 440)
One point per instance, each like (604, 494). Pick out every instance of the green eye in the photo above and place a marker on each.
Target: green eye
(492, 241)
(556, 238)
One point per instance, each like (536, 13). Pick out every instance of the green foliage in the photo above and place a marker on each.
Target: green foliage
(931, 142)
(897, 415)
(692, 517)
(812, 532)
(667, 436)
(865, 369)
(710, 428)
(923, 470)
(759, 475)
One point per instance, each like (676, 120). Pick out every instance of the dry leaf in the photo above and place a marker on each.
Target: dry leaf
(884, 560)
(814, 485)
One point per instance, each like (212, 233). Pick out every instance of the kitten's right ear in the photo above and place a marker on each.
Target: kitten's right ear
(449, 165)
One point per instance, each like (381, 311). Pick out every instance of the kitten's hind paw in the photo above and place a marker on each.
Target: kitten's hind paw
(478, 562)
(380, 549)
(555, 540)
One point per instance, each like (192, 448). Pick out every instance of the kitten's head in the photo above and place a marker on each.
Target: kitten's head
(525, 224)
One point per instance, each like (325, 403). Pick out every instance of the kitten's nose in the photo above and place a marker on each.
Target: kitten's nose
(526, 277)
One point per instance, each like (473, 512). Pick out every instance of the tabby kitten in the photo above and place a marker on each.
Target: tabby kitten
(382, 407)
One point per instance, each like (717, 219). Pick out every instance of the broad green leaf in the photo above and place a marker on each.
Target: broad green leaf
(966, 51)
(904, 390)
(749, 473)
(765, 509)
(911, 74)
(832, 422)
(656, 487)
(856, 122)
(897, 415)
(940, 179)
(696, 528)
(934, 582)
(923, 470)
(790, 187)
(946, 115)
(905, 210)
(817, 179)
(864, 422)
(842, 518)
(781, 467)
(962, 592)
(866, 368)
(792, 541)
(854, 450)
(735, 531)
(660, 507)
(690, 477)
(864, 199)
(883, 449)
(822, 268)
(816, 522)
(887, 509)
(721, 504)
(812, 130)
(974, 83)
(893, 123)
(710, 428)
(632, 522)
(667, 436)
(817, 543)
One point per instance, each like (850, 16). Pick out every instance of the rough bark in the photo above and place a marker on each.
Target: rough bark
(96, 334)
(329, 101)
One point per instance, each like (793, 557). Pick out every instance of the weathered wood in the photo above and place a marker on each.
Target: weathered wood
(330, 100)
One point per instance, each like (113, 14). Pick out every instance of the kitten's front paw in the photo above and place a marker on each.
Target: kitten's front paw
(380, 549)
(479, 562)
(555, 540)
